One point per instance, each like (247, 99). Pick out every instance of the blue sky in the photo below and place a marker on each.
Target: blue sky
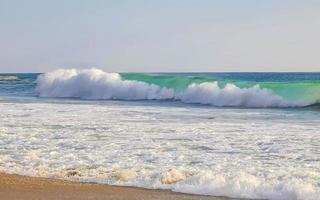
(162, 35)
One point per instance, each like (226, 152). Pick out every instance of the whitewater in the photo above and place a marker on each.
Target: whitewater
(97, 84)
(245, 135)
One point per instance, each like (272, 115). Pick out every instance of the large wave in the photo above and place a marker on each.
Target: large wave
(97, 84)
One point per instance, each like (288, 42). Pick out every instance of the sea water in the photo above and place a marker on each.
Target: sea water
(242, 135)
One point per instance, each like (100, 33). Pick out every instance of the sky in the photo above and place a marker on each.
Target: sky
(160, 35)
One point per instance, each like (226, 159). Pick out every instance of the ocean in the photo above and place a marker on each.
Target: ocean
(240, 135)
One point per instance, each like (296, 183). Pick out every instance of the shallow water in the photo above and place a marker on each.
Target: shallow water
(250, 153)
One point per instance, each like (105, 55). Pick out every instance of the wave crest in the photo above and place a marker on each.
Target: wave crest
(97, 84)
(231, 95)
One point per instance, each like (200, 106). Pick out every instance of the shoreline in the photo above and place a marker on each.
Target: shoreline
(17, 187)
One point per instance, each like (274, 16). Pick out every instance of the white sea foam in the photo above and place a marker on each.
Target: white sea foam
(242, 153)
(97, 84)
(244, 185)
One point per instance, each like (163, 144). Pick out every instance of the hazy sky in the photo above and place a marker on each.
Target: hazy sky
(160, 35)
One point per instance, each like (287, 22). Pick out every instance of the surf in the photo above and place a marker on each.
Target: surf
(95, 84)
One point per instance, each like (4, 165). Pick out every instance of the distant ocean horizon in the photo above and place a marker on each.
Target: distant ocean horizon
(252, 135)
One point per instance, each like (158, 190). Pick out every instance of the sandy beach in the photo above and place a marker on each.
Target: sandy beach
(15, 187)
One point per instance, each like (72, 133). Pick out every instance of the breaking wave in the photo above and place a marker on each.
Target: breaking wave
(97, 84)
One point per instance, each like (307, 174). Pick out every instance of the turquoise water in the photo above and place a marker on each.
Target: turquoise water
(291, 86)
(297, 89)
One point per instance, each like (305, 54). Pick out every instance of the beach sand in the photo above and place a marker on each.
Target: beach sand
(15, 187)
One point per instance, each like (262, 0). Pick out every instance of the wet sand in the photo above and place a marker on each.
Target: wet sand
(15, 187)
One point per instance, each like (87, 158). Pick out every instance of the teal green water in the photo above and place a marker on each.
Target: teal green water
(286, 87)
(301, 87)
